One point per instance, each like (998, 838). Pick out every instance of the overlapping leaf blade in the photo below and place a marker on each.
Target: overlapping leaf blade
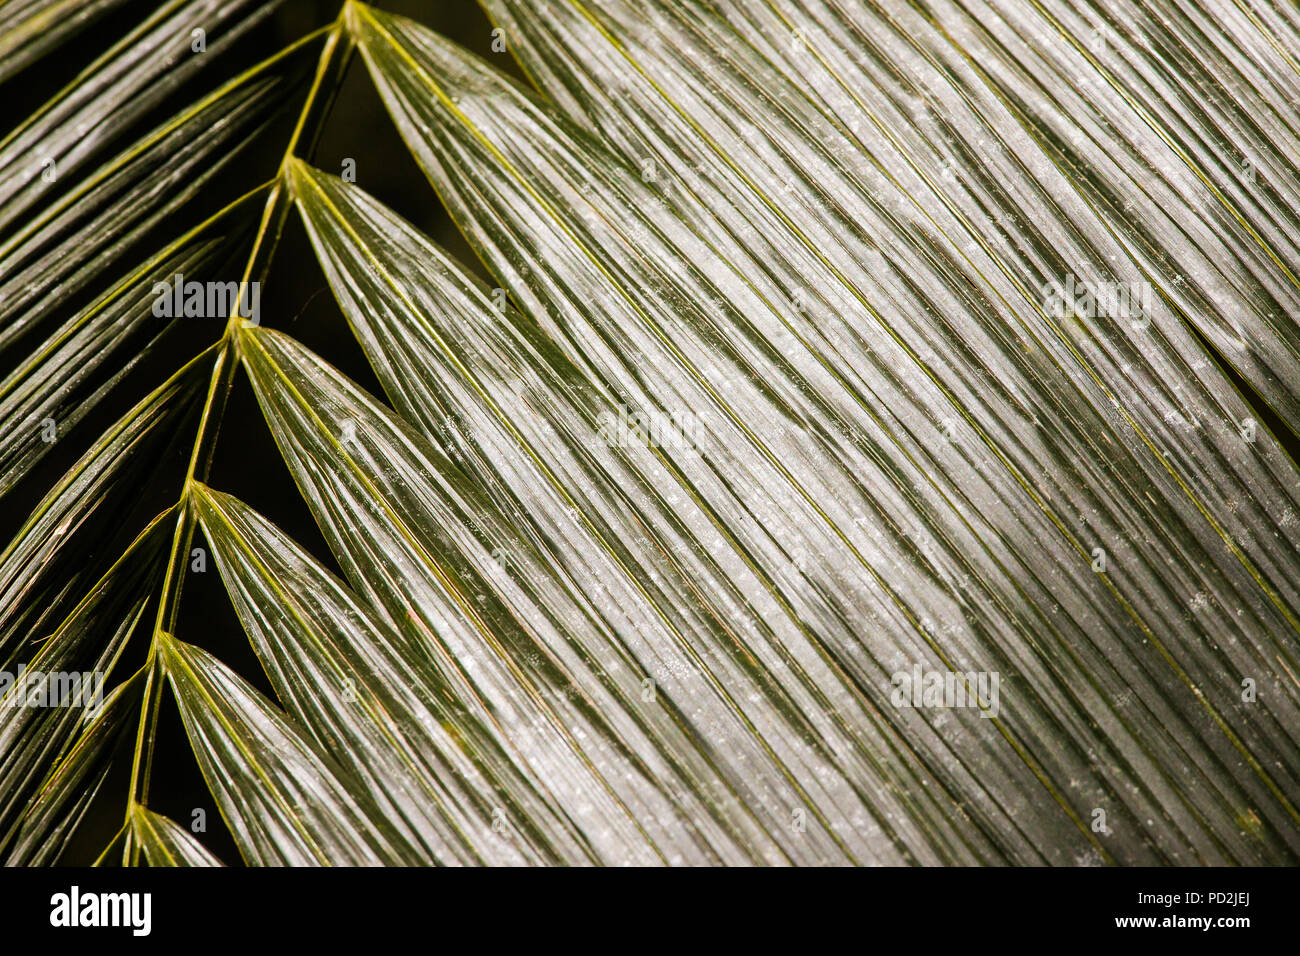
(286, 801)
(612, 274)
(416, 538)
(135, 75)
(72, 243)
(47, 564)
(1194, 419)
(52, 816)
(42, 709)
(367, 696)
(502, 402)
(78, 366)
(164, 843)
(786, 411)
(31, 29)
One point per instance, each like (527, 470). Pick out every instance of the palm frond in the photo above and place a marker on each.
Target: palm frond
(831, 341)
(164, 843)
(282, 796)
(31, 29)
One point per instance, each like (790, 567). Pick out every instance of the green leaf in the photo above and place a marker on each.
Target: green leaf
(824, 435)
(286, 801)
(31, 29)
(111, 856)
(47, 395)
(74, 242)
(100, 105)
(822, 166)
(165, 843)
(400, 537)
(488, 389)
(368, 697)
(42, 709)
(46, 564)
(52, 816)
(779, 409)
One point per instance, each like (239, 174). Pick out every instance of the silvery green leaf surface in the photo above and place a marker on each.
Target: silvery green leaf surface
(367, 696)
(675, 142)
(607, 269)
(282, 796)
(827, 346)
(487, 388)
(500, 638)
(122, 85)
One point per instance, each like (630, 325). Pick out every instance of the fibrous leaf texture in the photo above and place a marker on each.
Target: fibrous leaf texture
(872, 444)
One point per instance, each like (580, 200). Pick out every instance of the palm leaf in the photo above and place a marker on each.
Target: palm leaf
(299, 812)
(32, 738)
(74, 240)
(53, 814)
(31, 29)
(164, 843)
(47, 558)
(135, 75)
(777, 397)
(390, 720)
